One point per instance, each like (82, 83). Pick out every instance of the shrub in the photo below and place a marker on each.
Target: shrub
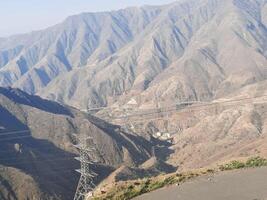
(130, 190)
(156, 185)
(252, 162)
(256, 162)
(233, 165)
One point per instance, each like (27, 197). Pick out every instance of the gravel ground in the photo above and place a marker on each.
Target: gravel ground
(249, 184)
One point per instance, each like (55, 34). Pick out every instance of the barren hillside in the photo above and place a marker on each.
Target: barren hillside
(37, 144)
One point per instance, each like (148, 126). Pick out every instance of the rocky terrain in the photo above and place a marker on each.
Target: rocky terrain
(177, 52)
(37, 146)
(140, 64)
(204, 134)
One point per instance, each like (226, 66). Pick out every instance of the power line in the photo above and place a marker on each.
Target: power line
(30, 146)
(175, 112)
(61, 154)
(42, 161)
(18, 137)
(42, 170)
(15, 138)
(64, 154)
(192, 108)
(36, 174)
(53, 171)
(38, 148)
(180, 103)
(158, 111)
(85, 185)
(43, 157)
(14, 132)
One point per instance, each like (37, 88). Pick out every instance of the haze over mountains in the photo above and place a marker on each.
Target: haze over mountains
(147, 57)
(187, 50)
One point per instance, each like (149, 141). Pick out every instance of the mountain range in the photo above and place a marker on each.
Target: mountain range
(211, 54)
(188, 50)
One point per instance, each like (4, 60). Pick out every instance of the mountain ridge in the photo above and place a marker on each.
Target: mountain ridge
(37, 140)
(34, 82)
(144, 59)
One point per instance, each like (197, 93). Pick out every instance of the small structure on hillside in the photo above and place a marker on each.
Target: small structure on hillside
(130, 105)
(162, 136)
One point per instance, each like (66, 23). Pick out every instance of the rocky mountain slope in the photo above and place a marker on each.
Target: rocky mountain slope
(37, 138)
(205, 134)
(183, 51)
(137, 59)
(223, 131)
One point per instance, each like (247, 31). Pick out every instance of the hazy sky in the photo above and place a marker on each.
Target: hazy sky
(20, 16)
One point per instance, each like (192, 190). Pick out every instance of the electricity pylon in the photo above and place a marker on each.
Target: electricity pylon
(85, 185)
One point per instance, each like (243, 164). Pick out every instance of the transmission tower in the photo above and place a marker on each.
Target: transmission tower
(85, 186)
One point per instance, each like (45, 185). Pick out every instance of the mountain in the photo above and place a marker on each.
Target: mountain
(32, 61)
(134, 60)
(37, 139)
(222, 131)
(187, 50)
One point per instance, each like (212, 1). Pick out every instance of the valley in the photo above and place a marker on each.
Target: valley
(157, 89)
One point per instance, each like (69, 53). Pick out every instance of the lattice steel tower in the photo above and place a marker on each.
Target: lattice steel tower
(85, 185)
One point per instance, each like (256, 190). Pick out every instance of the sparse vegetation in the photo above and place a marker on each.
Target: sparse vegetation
(252, 162)
(256, 162)
(130, 189)
(232, 165)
